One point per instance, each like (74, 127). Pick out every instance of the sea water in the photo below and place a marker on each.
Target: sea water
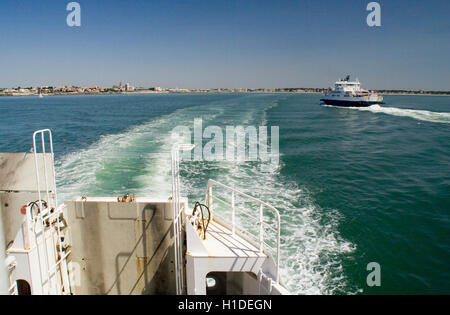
(353, 186)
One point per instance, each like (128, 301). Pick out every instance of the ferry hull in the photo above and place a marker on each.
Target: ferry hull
(342, 103)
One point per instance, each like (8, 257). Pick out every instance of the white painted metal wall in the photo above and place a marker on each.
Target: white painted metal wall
(4, 274)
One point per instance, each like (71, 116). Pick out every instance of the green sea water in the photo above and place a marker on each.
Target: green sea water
(353, 186)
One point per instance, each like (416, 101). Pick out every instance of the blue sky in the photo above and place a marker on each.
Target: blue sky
(229, 43)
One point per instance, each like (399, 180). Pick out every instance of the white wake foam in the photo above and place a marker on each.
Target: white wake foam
(425, 115)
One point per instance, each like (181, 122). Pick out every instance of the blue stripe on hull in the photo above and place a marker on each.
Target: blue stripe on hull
(349, 103)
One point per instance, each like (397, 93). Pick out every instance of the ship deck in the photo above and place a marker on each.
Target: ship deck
(220, 242)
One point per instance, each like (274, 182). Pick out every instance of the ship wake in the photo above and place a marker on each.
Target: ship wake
(424, 115)
(138, 161)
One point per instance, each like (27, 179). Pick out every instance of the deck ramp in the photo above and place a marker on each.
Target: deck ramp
(220, 242)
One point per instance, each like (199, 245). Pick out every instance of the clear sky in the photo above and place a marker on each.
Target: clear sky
(228, 43)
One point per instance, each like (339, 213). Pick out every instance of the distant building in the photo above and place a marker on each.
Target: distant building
(129, 87)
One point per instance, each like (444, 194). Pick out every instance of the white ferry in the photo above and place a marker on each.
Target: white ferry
(129, 244)
(350, 94)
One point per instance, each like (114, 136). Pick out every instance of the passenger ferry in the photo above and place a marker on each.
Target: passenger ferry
(350, 94)
(130, 244)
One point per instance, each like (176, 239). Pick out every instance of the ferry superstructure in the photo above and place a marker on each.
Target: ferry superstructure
(128, 244)
(348, 93)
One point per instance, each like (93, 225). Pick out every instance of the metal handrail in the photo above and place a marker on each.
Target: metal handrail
(45, 214)
(177, 211)
(262, 205)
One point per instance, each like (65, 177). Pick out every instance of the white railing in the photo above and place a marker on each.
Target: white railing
(50, 187)
(177, 211)
(53, 263)
(261, 239)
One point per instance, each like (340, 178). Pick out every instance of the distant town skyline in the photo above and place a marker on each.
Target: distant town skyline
(130, 89)
(225, 44)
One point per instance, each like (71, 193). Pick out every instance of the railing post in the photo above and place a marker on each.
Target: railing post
(233, 215)
(177, 216)
(278, 247)
(261, 229)
(210, 201)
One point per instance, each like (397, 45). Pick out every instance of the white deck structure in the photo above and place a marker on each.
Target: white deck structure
(249, 265)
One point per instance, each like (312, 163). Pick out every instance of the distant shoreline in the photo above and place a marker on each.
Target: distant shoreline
(268, 91)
